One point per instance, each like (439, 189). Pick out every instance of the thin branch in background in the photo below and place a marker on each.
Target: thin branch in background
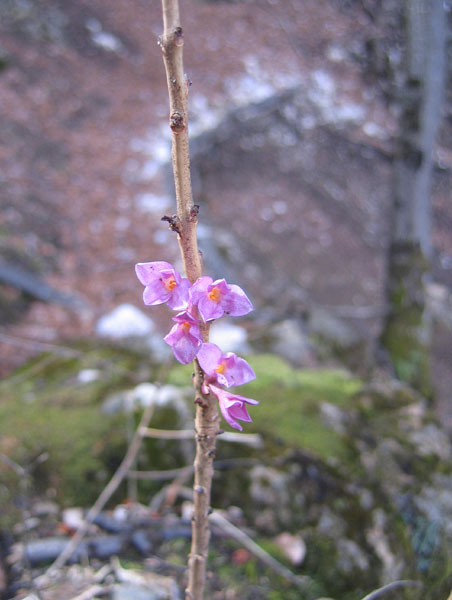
(40, 346)
(161, 475)
(188, 470)
(395, 585)
(240, 536)
(251, 439)
(132, 487)
(104, 497)
(18, 469)
(216, 518)
(42, 363)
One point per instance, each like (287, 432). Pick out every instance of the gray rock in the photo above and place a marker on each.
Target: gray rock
(333, 417)
(229, 337)
(290, 340)
(269, 486)
(431, 440)
(148, 393)
(125, 321)
(270, 492)
(133, 591)
(331, 329)
(435, 501)
(330, 525)
(376, 536)
(335, 338)
(350, 557)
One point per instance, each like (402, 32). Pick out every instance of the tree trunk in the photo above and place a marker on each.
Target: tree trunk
(407, 328)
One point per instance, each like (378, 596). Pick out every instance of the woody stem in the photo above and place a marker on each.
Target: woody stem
(207, 419)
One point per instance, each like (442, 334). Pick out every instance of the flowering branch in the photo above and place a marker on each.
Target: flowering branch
(206, 422)
(198, 300)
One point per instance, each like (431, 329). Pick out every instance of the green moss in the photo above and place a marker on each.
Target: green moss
(77, 439)
(289, 402)
(406, 333)
(46, 409)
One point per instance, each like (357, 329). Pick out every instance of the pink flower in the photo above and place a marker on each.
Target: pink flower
(215, 298)
(232, 406)
(226, 369)
(163, 284)
(185, 337)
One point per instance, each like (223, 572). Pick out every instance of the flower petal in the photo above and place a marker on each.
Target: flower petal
(232, 406)
(147, 272)
(186, 349)
(236, 303)
(186, 317)
(222, 286)
(209, 357)
(238, 410)
(174, 335)
(237, 370)
(183, 343)
(199, 289)
(155, 293)
(180, 295)
(209, 309)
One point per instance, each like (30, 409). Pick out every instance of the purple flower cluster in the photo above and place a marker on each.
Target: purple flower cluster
(205, 300)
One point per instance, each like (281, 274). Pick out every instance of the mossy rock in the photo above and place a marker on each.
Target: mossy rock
(317, 463)
(47, 409)
(289, 403)
(406, 334)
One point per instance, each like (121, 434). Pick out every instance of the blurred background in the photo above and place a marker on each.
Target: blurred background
(320, 144)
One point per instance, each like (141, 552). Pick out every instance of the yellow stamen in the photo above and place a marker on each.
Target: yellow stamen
(214, 294)
(221, 368)
(186, 326)
(170, 284)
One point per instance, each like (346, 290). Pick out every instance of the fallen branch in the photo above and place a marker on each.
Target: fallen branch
(392, 586)
(251, 439)
(240, 536)
(188, 470)
(103, 498)
(40, 346)
(216, 518)
(162, 475)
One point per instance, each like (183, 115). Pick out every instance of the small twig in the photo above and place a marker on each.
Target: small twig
(168, 434)
(18, 469)
(132, 489)
(392, 586)
(42, 346)
(100, 575)
(161, 475)
(156, 502)
(173, 223)
(32, 370)
(251, 439)
(104, 496)
(188, 470)
(240, 536)
(217, 519)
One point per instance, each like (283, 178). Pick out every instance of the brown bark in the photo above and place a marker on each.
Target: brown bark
(406, 334)
(206, 422)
